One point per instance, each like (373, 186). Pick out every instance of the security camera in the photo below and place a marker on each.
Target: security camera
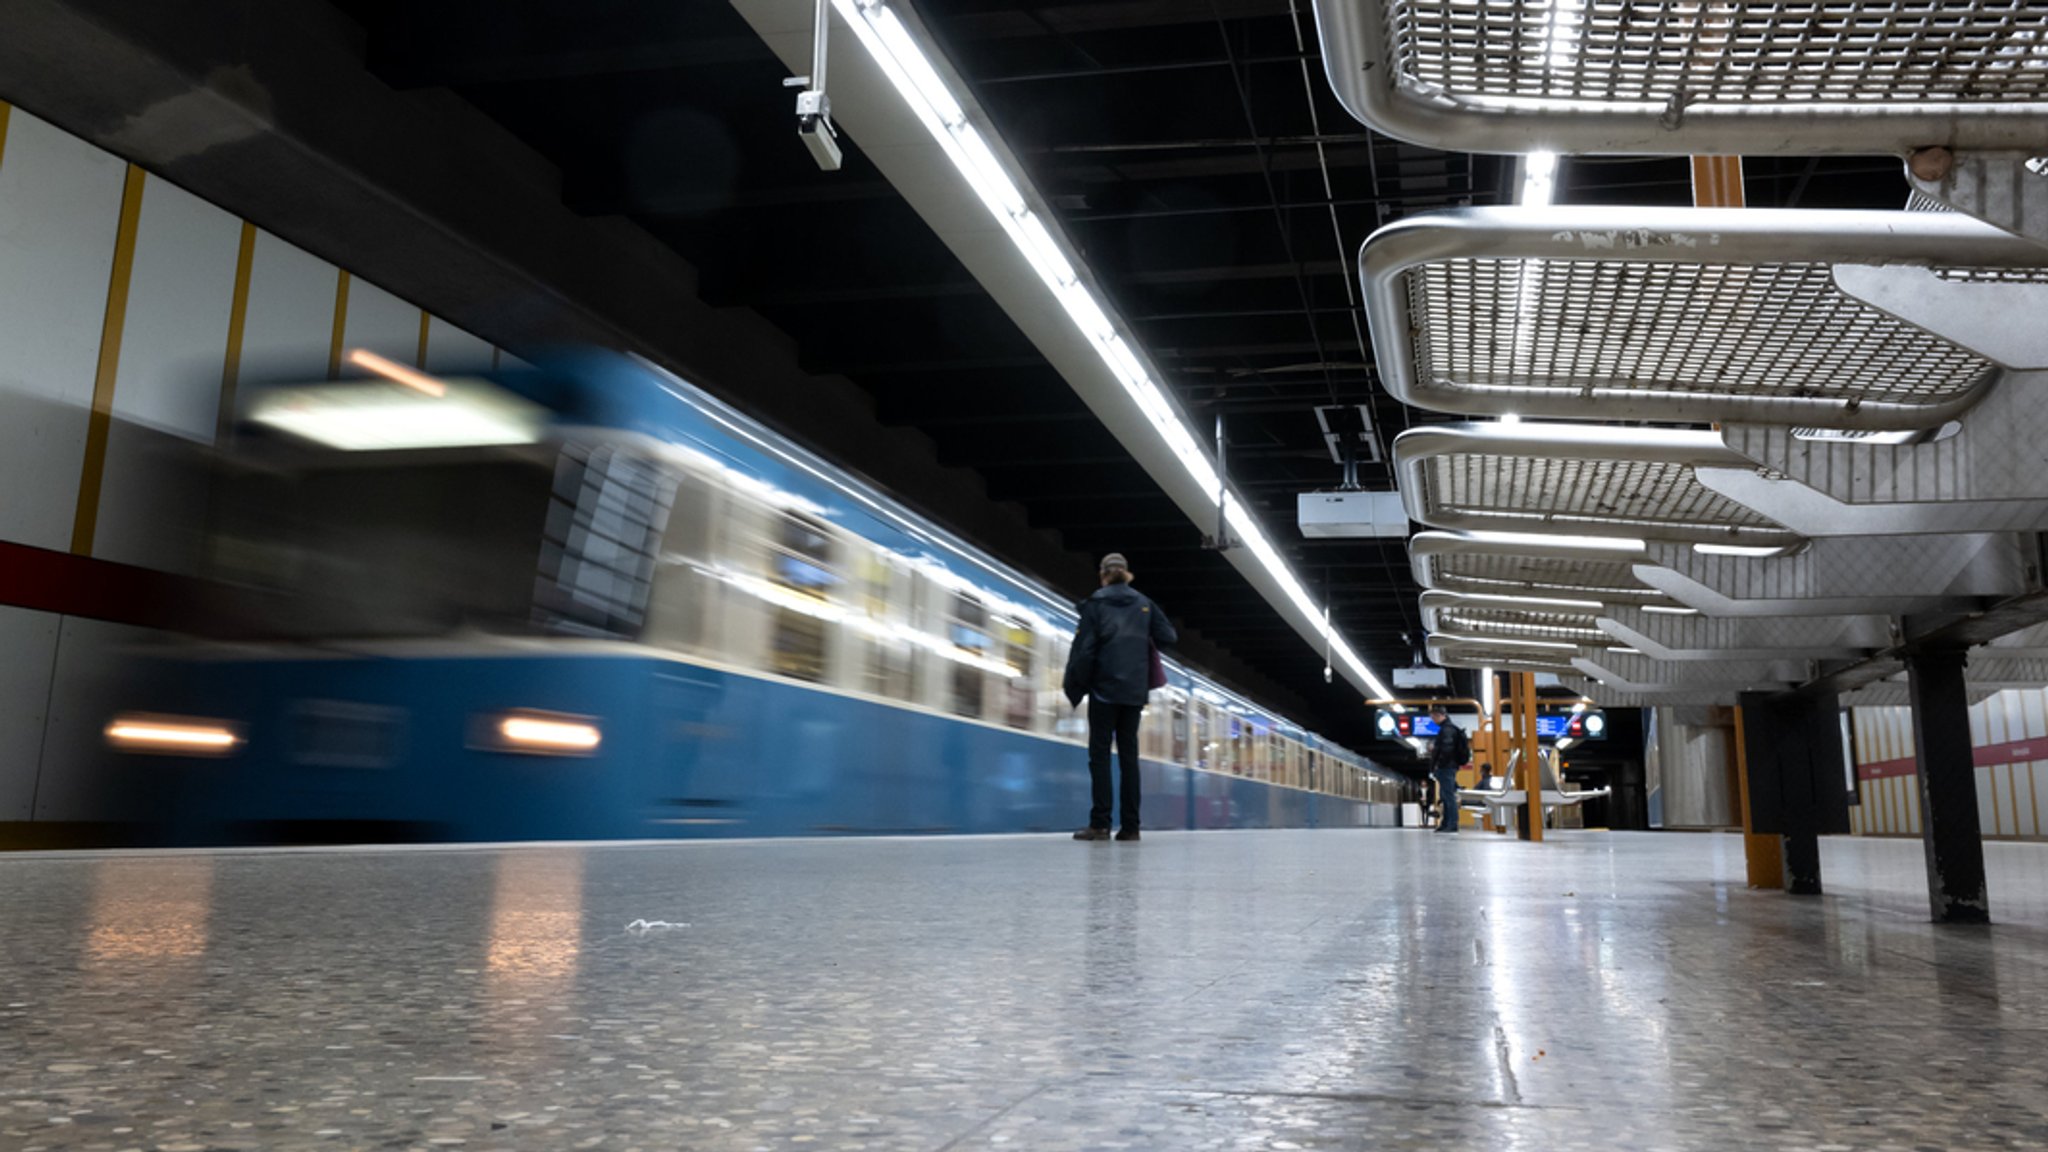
(814, 125)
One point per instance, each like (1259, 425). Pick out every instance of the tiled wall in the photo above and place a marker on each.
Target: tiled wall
(129, 309)
(2009, 733)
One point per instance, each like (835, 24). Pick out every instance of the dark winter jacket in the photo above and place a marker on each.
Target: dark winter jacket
(1451, 749)
(1111, 660)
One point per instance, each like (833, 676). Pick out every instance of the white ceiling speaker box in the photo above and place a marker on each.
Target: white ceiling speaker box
(1325, 514)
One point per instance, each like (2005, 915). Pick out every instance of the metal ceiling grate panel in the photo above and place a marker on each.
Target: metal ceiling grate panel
(1562, 576)
(1520, 624)
(1576, 494)
(1740, 332)
(1683, 54)
(1672, 77)
(1478, 652)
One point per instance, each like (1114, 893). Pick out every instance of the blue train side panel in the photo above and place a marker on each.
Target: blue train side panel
(688, 751)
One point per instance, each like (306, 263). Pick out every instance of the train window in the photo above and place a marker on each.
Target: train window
(967, 632)
(424, 544)
(800, 563)
(1059, 718)
(685, 596)
(890, 664)
(1019, 693)
(1177, 710)
(607, 516)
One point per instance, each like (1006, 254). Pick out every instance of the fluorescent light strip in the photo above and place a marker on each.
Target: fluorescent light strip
(900, 58)
(1738, 549)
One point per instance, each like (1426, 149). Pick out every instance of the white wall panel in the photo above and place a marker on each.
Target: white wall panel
(60, 203)
(290, 326)
(29, 640)
(452, 351)
(92, 658)
(382, 323)
(167, 394)
(176, 335)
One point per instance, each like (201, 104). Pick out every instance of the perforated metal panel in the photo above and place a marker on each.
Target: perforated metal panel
(1596, 329)
(1485, 573)
(1634, 497)
(1526, 624)
(1676, 76)
(1674, 315)
(1478, 652)
(1685, 54)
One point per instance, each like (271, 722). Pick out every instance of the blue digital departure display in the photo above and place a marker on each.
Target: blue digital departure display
(1549, 725)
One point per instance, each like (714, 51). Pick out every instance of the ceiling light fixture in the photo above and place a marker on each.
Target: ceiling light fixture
(896, 51)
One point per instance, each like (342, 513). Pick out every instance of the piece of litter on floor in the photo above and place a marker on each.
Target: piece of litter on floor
(642, 927)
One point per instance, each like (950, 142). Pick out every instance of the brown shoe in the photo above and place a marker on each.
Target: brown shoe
(1128, 834)
(1092, 834)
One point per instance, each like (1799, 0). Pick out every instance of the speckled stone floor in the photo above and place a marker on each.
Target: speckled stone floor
(1371, 989)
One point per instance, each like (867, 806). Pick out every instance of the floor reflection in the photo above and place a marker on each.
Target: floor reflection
(148, 911)
(536, 924)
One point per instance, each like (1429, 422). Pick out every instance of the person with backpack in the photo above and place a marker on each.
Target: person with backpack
(1115, 663)
(1447, 753)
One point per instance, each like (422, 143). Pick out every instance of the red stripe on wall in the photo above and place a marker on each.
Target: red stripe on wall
(1905, 766)
(2011, 752)
(1985, 756)
(60, 582)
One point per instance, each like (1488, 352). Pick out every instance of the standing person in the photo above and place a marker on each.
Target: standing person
(1447, 753)
(1111, 664)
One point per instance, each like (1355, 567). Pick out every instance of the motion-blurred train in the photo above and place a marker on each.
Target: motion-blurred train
(582, 599)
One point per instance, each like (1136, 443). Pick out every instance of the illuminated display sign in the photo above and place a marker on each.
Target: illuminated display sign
(1549, 726)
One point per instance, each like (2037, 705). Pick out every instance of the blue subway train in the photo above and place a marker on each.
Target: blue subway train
(582, 599)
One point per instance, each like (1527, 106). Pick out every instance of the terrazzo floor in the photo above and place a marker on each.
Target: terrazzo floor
(1369, 989)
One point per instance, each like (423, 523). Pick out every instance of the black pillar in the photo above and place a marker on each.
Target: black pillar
(1948, 789)
(1793, 744)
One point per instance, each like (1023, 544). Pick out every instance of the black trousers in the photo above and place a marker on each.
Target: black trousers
(1118, 722)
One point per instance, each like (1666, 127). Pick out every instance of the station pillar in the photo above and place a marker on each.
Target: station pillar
(1530, 818)
(1794, 777)
(1763, 857)
(1956, 891)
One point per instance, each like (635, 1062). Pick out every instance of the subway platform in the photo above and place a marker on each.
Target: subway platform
(1369, 989)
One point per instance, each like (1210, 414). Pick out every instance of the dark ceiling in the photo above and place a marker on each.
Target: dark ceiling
(1191, 148)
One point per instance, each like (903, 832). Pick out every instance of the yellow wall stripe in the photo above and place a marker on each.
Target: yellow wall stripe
(426, 322)
(1997, 816)
(6, 110)
(340, 324)
(2034, 795)
(2012, 785)
(238, 320)
(100, 425)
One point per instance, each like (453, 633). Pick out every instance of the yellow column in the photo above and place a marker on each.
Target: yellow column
(1525, 739)
(238, 322)
(340, 324)
(100, 424)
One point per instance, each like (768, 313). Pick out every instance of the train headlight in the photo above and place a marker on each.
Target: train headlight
(172, 735)
(539, 734)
